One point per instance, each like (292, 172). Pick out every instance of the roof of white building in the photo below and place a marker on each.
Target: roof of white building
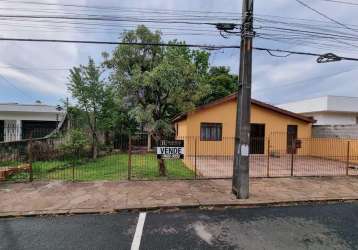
(323, 104)
(34, 108)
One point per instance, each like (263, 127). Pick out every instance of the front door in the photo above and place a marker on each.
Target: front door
(257, 138)
(291, 138)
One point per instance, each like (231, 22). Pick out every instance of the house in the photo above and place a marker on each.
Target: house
(281, 142)
(18, 121)
(327, 110)
(213, 127)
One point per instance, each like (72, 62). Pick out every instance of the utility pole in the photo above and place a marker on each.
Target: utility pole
(240, 181)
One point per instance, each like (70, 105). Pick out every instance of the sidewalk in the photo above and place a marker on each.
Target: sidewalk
(66, 197)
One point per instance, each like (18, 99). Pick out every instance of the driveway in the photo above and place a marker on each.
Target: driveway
(263, 166)
(329, 226)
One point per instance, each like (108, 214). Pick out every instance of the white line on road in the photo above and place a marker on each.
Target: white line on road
(138, 232)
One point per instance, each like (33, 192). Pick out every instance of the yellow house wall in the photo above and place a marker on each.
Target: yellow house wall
(335, 149)
(225, 113)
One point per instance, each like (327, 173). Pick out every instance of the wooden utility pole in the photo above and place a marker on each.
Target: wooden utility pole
(240, 182)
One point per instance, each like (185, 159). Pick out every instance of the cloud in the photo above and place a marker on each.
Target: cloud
(271, 76)
(33, 83)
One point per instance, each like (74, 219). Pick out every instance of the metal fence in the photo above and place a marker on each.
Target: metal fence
(126, 157)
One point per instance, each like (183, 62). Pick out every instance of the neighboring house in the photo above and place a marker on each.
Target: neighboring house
(213, 127)
(19, 121)
(327, 110)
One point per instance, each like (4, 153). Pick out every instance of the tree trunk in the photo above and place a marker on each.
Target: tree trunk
(161, 163)
(162, 168)
(94, 146)
(149, 142)
(107, 138)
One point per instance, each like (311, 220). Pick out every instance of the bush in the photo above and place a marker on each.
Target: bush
(41, 151)
(76, 143)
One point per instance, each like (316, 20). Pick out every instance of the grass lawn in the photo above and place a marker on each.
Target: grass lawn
(113, 167)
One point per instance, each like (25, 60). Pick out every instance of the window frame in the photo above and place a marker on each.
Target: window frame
(211, 127)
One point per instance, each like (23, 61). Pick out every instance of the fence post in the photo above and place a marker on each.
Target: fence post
(293, 148)
(268, 157)
(73, 165)
(348, 155)
(31, 177)
(195, 148)
(129, 157)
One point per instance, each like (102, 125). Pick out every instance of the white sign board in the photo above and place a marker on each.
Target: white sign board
(170, 150)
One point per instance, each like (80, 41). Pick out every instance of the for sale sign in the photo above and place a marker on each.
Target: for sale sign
(170, 149)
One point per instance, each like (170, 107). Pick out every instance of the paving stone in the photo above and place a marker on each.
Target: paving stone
(68, 197)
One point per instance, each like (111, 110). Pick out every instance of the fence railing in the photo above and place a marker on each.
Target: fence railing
(134, 158)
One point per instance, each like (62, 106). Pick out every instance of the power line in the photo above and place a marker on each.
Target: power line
(324, 15)
(341, 2)
(119, 8)
(14, 86)
(109, 18)
(305, 81)
(33, 68)
(200, 46)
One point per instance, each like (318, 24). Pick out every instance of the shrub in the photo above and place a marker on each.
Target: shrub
(41, 151)
(76, 143)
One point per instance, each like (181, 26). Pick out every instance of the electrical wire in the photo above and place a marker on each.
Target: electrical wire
(14, 86)
(200, 46)
(305, 81)
(324, 15)
(341, 2)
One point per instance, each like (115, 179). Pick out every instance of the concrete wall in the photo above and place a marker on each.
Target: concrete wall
(325, 104)
(306, 106)
(327, 110)
(333, 118)
(337, 131)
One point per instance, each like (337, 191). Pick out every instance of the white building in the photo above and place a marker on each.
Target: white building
(327, 110)
(18, 120)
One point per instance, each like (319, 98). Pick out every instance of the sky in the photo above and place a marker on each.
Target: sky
(39, 71)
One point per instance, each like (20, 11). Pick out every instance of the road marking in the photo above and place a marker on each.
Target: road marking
(138, 232)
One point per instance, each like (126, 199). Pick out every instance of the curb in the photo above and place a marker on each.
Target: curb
(174, 207)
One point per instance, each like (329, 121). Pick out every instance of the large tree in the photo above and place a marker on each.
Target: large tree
(157, 82)
(89, 90)
(219, 83)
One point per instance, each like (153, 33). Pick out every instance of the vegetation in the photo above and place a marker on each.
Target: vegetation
(112, 167)
(91, 93)
(146, 87)
(220, 83)
(76, 142)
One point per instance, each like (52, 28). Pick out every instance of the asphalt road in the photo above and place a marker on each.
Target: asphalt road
(331, 226)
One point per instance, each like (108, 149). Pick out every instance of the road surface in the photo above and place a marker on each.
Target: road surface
(330, 226)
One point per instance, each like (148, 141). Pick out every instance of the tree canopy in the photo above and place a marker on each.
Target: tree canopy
(147, 85)
(157, 82)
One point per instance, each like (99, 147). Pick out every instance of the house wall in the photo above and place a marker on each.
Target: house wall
(13, 122)
(306, 106)
(334, 118)
(335, 149)
(225, 113)
(335, 131)
(33, 116)
(327, 110)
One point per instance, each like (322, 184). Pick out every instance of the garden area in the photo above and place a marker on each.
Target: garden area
(110, 167)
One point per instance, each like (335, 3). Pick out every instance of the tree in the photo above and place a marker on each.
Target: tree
(89, 90)
(157, 83)
(219, 83)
